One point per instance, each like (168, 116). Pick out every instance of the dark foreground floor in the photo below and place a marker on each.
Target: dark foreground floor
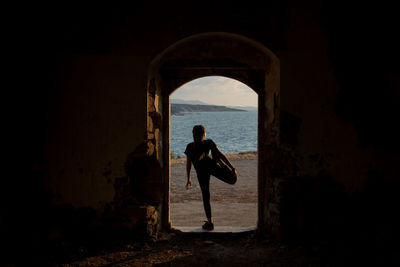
(199, 249)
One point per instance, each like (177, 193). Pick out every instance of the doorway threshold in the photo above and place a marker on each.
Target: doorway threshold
(217, 229)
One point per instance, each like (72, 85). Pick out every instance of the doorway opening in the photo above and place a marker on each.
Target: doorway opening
(217, 54)
(228, 110)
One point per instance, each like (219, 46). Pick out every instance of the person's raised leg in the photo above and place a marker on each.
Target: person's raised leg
(224, 174)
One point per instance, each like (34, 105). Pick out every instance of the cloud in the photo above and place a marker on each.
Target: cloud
(217, 90)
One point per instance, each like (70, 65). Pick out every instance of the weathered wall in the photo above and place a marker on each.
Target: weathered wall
(99, 121)
(84, 107)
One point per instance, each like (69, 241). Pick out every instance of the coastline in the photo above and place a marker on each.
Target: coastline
(233, 156)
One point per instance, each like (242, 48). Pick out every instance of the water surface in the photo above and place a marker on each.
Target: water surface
(233, 132)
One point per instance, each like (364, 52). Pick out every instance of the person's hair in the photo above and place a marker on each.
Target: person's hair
(198, 132)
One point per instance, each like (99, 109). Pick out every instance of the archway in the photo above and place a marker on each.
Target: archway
(228, 110)
(222, 54)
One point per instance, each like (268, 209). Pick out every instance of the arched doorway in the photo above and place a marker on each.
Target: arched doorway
(228, 110)
(222, 54)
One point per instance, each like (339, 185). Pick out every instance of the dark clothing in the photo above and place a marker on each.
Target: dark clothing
(204, 182)
(206, 166)
(199, 154)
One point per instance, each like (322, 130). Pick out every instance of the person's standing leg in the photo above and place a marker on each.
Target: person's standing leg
(204, 181)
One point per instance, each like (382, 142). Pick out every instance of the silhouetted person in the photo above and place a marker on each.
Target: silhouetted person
(197, 153)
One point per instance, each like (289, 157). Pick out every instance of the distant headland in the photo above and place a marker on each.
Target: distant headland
(179, 109)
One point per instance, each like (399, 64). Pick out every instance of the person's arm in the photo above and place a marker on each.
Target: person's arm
(221, 157)
(188, 167)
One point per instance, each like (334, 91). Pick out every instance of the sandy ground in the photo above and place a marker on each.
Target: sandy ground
(232, 205)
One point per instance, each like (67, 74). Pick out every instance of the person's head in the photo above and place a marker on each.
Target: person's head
(199, 133)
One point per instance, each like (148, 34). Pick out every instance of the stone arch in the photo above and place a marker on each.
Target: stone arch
(222, 54)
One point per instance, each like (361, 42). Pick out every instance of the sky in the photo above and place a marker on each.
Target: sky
(217, 90)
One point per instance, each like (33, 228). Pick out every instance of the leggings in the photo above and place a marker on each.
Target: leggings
(222, 173)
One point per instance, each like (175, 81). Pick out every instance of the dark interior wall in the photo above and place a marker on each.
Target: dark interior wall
(309, 93)
(98, 122)
(338, 77)
(81, 97)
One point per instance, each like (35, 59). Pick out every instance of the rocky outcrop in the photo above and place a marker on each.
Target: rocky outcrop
(178, 109)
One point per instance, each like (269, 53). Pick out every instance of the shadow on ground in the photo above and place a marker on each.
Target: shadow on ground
(235, 249)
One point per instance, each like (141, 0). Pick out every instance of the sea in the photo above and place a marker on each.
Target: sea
(232, 131)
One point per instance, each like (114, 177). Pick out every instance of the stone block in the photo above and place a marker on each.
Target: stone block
(274, 208)
(139, 218)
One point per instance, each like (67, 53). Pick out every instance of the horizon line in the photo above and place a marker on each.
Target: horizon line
(209, 103)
